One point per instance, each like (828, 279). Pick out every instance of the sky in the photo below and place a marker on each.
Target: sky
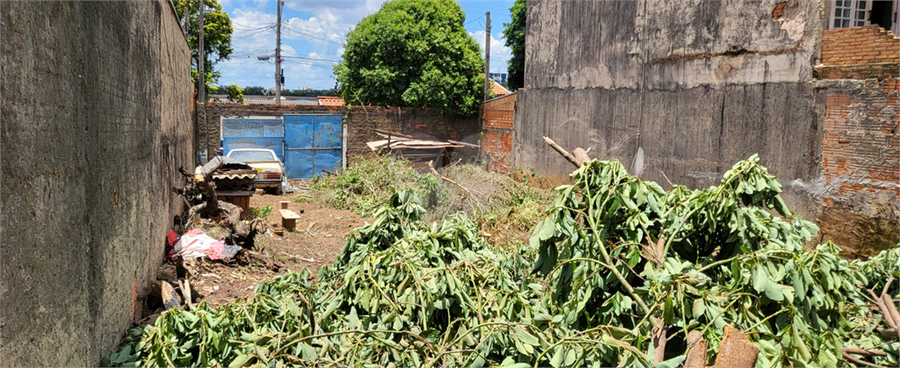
(312, 37)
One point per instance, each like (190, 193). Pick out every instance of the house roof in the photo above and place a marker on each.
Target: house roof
(285, 100)
(331, 101)
(498, 89)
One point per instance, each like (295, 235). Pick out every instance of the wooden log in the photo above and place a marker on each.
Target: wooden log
(186, 292)
(170, 298)
(660, 338)
(696, 353)
(562, 151)
(736, 350)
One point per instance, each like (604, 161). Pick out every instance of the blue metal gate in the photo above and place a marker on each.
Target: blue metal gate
(312, 143)
(253, 133)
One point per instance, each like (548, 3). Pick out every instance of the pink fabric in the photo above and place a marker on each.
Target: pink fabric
(195, 244)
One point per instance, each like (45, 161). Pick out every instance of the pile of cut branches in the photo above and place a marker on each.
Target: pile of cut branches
(625, 272)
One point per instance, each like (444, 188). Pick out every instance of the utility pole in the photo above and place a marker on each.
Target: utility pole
(487, 57)
(201, 60)
(278, 72)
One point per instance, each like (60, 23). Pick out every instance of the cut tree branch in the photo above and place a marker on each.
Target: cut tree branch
(438, 175)
(853, 359)
(578, 158)
(864, 352)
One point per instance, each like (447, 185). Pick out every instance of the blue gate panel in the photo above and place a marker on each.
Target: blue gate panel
(327, 160)
(301, 163)
(312, 144)
(299, 131)
(274, 144)
(328, 130)
(252, 128)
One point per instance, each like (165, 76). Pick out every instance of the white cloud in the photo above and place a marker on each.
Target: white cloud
(500, 53)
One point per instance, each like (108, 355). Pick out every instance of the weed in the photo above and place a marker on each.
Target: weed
(260, 212)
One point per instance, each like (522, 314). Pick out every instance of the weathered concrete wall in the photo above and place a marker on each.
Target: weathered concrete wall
(693, 85)
(361, 123)
(95, 111)
(684, 89)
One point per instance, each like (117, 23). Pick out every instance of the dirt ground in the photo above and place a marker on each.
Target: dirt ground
(318, 238)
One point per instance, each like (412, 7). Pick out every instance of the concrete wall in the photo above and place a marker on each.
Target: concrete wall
(361, 123)
(684, 89)
(693, 85)
(95, 121)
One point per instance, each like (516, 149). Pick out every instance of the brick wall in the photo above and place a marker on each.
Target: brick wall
(861, 163)
(361, 122)
(498, 132)
(860, 199)
(859, 53)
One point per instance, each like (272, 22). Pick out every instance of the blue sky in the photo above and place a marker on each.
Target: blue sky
(313, 34)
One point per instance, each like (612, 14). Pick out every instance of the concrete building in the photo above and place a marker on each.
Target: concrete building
(691, 87)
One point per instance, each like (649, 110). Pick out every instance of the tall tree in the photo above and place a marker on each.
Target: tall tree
(217, 32)
(515, 40)
(414, 54)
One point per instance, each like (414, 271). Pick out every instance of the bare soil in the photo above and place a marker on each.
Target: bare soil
(319, 236)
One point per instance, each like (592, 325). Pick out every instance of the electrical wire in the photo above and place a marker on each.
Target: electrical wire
(473, 20)
(312, 59)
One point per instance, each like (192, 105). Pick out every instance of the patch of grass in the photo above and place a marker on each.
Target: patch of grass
(368, 183)
(505, 209)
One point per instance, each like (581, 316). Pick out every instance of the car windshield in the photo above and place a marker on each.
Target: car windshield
(252, 156)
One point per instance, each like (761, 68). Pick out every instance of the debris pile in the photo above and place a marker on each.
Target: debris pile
(619, 273)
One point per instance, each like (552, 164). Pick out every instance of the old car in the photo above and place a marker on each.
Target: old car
(270, 170)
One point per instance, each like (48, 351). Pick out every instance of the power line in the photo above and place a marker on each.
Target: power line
(473, 20)
(312, 59)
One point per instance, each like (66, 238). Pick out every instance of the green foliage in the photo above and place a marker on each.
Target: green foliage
(617, 258)
(309, 92)
(260, 212)
(698, 260)
(413, 54)
(260, 91)
(515, 40)
(235, 94)
(368, 183)
(217, 32)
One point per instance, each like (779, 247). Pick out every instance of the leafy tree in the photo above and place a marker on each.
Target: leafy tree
(235, 93)
(309, 92)
(515, 40)
(414, 54)
(254, 91)
(217, 32)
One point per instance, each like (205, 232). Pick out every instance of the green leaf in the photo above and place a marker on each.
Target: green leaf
(558, 357)
(352, 319)
(478, 362)
(760, 279)
(671, 363)
(773, 291)
(239, 361)
(525, 337)
(669, 310)
(698, 308)
(571, 356)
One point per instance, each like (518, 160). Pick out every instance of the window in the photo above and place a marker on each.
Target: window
(849, 13)
(855, 13)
